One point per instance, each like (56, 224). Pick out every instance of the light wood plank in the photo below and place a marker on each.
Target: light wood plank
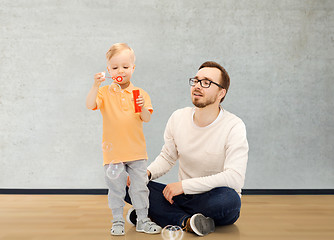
(49, 217)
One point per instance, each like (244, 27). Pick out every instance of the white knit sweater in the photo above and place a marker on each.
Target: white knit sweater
(209, 157)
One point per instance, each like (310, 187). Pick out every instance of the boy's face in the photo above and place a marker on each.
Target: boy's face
(122, 65)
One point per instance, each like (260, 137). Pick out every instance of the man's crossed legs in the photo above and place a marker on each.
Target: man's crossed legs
(193, 212)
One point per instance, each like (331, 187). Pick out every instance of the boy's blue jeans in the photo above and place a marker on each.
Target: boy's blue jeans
(222, 204)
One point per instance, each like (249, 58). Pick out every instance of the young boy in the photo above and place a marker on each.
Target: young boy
(123, 137)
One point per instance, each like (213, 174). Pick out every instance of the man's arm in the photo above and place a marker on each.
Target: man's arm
(168, 155)
(165, 161)
(235, 165)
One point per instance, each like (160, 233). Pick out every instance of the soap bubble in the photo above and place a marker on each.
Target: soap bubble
(172, 233)
(114, 87)
(106, 147)
(114, 170)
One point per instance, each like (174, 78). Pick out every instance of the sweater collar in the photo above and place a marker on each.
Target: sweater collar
(216, 120)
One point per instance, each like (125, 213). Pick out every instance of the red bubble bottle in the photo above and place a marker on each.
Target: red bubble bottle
(135, 96)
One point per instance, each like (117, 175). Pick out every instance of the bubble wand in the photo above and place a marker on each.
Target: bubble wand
(117, 80)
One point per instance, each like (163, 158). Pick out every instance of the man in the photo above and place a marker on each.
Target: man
(211, 147)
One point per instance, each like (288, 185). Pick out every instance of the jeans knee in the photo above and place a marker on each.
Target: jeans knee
(227, 195)
(225, 204)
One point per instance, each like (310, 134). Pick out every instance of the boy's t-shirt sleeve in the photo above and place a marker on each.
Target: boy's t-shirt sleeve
(99, 100)
(148, 103)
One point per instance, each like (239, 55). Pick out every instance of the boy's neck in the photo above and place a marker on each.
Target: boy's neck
(125, 85)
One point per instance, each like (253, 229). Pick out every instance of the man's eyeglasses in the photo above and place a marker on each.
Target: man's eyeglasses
(205, 83)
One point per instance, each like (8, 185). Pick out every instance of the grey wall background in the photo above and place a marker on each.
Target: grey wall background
(279, 54)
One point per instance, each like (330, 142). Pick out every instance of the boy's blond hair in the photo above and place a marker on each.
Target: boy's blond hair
(117, 48)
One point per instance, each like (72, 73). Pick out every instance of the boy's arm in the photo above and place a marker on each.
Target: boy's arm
(91, 97)
(145, 114)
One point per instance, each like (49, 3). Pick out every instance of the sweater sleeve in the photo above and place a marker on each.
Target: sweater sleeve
(168, 155)
(235, 164)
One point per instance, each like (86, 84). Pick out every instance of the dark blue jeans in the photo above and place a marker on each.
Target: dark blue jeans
(222, 204)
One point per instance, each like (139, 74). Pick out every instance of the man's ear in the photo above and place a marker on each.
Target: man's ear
(222, 93)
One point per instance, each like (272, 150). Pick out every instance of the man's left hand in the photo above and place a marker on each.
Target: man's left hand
(171, 190)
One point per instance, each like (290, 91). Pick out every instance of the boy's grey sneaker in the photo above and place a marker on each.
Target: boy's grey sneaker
(147, 226)
(117, 228)
(131, 216)
(202, 225)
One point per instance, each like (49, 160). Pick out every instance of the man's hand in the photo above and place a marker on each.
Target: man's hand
(171, 190)
(128, 181)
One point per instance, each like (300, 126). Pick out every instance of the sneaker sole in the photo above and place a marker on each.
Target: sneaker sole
(121, 234)
(202, 225)
(128, 217)
(143, 231)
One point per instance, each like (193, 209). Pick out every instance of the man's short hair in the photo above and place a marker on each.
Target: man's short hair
(225, 79)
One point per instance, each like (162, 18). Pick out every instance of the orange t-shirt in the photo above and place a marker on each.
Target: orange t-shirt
(123, 138)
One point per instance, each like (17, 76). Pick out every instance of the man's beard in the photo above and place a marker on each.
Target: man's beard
(206, 103)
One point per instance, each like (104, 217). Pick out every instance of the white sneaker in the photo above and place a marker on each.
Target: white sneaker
(202, 225)
(147, 226)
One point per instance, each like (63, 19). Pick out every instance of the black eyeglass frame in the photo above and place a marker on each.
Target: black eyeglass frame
(200, 82)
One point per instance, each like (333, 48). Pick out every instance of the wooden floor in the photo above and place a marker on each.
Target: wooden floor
(82, 217)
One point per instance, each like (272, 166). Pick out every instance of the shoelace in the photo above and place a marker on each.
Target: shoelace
(187, 226)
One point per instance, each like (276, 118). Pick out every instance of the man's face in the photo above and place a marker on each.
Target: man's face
(202, 97)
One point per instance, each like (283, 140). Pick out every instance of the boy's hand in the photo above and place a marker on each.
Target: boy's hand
(140, 101)
(99, 78)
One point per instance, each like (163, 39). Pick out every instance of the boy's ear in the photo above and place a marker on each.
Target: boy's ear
(134, 66)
